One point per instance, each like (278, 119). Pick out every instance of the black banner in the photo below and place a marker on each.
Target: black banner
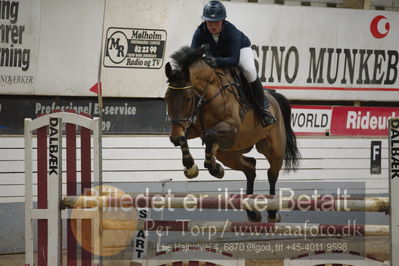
(375, 158)
(121, 116)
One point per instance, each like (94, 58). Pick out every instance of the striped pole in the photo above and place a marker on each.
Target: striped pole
(235, 202)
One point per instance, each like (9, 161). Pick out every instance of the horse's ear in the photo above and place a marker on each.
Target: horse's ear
(168, 70)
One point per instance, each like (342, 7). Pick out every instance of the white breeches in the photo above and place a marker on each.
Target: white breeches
(247, 64)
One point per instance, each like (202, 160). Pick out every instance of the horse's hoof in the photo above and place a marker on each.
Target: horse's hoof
(277, 219)
(217, 172)
(192, 172)
(220, 174)
(254, 216)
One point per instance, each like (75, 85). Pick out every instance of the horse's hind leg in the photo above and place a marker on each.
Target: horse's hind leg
(275, 156)
(272, 176)
(236, 161)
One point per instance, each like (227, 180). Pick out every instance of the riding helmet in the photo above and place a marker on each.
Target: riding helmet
(214, 11)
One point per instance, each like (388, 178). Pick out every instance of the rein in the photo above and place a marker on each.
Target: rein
(201, 99)
(191, 120)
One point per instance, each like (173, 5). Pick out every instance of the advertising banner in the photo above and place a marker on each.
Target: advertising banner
(306, 53)
(53, 48)
(361, 121)
(148, 116)
(121, 116)
(311, 120)
(144, 48)
(19, 43)
(323, 53)
(341, 120)
(50, 47)
(138, 40)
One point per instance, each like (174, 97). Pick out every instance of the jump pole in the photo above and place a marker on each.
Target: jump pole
(393, 155)
(235, 202)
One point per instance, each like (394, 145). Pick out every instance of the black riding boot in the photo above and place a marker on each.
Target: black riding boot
(266, 118)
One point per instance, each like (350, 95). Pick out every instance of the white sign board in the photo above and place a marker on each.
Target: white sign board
(52, 47)
(307, 53)
(19, 43)
(323, 53)
(134, 48)
(311, 120)
(149, 31)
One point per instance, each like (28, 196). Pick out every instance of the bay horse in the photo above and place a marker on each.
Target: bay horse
(203, 102)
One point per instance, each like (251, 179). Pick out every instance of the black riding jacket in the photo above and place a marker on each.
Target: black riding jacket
(227, 49)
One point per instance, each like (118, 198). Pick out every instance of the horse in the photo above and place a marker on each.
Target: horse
(204, 102)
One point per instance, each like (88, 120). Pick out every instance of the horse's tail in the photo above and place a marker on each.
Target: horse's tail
(292, 154)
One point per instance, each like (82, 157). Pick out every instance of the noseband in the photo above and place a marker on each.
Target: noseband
(179, 88)
(192, 118)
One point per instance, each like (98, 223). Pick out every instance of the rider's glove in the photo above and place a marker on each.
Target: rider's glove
(212, 61)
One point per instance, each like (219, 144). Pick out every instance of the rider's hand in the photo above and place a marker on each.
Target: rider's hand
(212, 61)
(205, 47)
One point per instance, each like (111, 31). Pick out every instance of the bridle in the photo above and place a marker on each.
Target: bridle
(200, 102)
(192, 118)
(179, 88)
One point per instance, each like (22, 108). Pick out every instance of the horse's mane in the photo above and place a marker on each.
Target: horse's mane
(186, 56)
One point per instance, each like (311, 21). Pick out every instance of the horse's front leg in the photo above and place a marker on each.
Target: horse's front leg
(220, 136)
(211, 146)
(190, 168)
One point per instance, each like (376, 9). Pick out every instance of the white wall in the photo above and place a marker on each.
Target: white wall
(153, 159)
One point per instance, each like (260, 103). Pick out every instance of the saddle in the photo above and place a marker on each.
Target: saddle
(245, 96)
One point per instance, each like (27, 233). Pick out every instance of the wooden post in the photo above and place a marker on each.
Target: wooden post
(393, 155)
(28, 194)
(55, 190)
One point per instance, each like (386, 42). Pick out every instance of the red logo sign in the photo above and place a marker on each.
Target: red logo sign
(363, 121)
(379, 27)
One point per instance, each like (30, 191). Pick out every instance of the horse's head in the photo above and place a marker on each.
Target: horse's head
(180, 100)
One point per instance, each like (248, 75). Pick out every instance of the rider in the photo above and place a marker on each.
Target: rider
(229, 47)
